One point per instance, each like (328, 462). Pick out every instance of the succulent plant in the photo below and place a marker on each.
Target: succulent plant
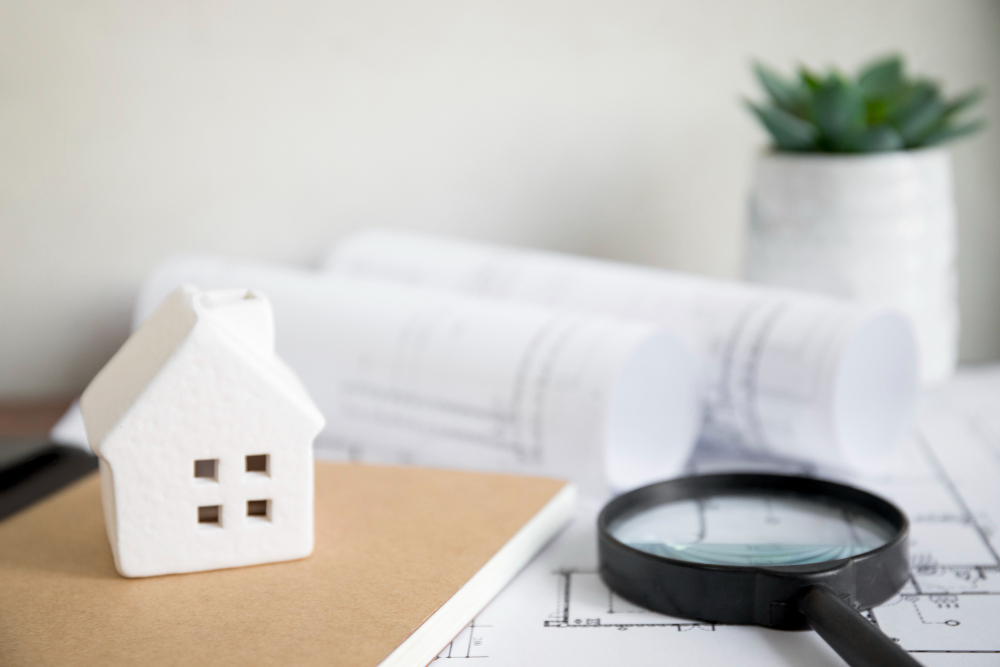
(879, 110)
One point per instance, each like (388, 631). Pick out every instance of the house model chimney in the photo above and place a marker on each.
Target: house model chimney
(204, 438)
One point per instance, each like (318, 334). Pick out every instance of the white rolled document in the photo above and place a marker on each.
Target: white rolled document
(406, 375)
(787, 373)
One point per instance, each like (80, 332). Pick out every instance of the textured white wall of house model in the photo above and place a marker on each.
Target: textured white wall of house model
(263, 129)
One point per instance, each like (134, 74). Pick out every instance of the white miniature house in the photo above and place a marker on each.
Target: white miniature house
(204, 438)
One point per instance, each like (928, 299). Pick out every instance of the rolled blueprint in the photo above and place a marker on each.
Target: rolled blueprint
(405, 375)
(786, 373)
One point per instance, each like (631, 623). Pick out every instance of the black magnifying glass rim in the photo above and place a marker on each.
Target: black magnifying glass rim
(749, 594)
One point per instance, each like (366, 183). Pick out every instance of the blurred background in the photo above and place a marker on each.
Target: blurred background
(269, 130)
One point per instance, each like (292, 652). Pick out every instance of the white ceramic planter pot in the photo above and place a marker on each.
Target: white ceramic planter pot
(880, 228)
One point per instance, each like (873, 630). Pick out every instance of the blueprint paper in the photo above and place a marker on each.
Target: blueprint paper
(946, 477)
(432, 378)
(787, 373)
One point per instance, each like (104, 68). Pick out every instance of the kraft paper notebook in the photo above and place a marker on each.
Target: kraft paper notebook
(404, 558)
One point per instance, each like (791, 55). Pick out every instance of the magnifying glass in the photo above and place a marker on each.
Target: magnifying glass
(779, 551)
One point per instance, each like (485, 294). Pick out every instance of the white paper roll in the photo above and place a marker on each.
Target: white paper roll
(788, 373)
(405, 375)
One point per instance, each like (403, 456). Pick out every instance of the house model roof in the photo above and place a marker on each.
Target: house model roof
(239, 321)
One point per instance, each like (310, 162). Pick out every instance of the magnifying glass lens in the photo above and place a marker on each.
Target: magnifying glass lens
(778, 551)
(754, 530)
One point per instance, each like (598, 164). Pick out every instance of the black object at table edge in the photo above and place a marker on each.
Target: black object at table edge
(47, 468)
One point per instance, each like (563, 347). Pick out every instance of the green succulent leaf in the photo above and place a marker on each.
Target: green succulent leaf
(874, 140)
(920, 112)
(879, 110)
(810, 79)
(839, 110)
(909, 98)
(784, 94)
(789, 132)
(963, 102)
(882, 77)
(953, 132)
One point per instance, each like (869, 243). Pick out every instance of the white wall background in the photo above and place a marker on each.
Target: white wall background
(268, 129)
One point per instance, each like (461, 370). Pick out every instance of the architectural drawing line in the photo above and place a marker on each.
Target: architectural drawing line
(564, 619)
(932, 458)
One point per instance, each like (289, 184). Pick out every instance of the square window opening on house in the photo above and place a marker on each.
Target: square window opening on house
(207, 470)
(259, 510)
(210, 515)
(259, 463)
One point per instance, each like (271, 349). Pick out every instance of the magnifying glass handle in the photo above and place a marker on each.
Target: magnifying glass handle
(858, 641)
